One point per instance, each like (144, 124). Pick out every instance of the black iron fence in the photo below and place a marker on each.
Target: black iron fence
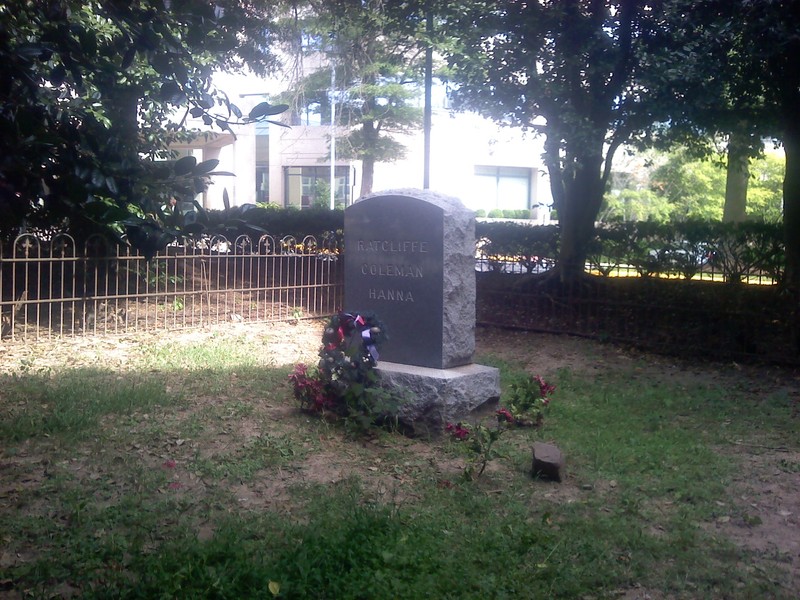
(686, 318)
(54, 287)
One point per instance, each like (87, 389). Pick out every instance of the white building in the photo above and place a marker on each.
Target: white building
(487, 166)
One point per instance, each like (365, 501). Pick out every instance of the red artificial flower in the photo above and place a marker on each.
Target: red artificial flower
(505, 414)
(299, 372)
(458, 430)
(545, 389)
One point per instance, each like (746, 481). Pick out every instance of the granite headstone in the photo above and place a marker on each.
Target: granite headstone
(409, 258)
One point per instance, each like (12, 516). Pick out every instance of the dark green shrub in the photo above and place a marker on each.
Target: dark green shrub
(737, 251)
(534, 247)
(516, 214)
(610, 247)
(741, 250)
(255, 221)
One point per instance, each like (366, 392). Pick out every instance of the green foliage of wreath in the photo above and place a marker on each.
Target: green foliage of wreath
(344, 382)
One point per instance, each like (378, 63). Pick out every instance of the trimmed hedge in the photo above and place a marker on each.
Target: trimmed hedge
(255, 221)
(736, 250)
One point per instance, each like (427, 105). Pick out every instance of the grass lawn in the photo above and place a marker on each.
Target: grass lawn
(180, 467)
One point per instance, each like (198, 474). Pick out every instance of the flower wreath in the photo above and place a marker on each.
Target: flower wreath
(354, 334)
(348, 354)
(350, 348)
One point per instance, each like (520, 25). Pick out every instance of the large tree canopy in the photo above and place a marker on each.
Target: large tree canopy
(88, 95)
(373, 48)
(588, 75)
(763, 70)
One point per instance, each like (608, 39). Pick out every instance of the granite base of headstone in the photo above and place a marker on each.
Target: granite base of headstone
(435, 397)
(410, 259)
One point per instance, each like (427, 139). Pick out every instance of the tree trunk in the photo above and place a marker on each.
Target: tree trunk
(791, 203)
(581, 204)
(738, 175)
(367, 175)
(791, 225)
(553, 164)
(370, 141)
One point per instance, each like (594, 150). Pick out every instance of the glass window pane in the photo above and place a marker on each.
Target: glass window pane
(512, 193)
(484, 193)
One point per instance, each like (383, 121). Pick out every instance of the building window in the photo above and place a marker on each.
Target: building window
(262, 184)
(262, 164)
(505, 188)
(310, 114)
(310, 186)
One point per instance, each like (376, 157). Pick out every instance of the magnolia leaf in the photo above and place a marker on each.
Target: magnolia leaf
(179, 98)
(207, 101)
(264, 109)
(205, 167)
(169, 89)
(98, 178)
(127, 58)
(30, 50)
(224, 125)
(57, 75)
(200, 210)
(185, 165)
(194, 228)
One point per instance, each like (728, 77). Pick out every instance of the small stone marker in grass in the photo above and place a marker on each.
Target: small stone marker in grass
(548, 461)
(410, 260)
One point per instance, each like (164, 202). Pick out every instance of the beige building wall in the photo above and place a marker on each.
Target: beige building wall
(460, 143)
(465, 150)
(298, 146)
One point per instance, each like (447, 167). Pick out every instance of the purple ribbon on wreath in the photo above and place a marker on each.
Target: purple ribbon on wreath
(366, 333)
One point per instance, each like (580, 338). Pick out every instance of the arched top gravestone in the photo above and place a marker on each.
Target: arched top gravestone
(410, 259)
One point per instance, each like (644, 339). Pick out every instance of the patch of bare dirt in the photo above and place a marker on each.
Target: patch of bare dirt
(763, 515)
(285, 343)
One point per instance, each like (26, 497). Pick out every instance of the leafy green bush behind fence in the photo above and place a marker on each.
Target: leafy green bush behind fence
(254, 221)
(736, 251)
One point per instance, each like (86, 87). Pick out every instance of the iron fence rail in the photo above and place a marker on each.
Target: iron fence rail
(691, 319)
(53, 287)
(708, 271)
